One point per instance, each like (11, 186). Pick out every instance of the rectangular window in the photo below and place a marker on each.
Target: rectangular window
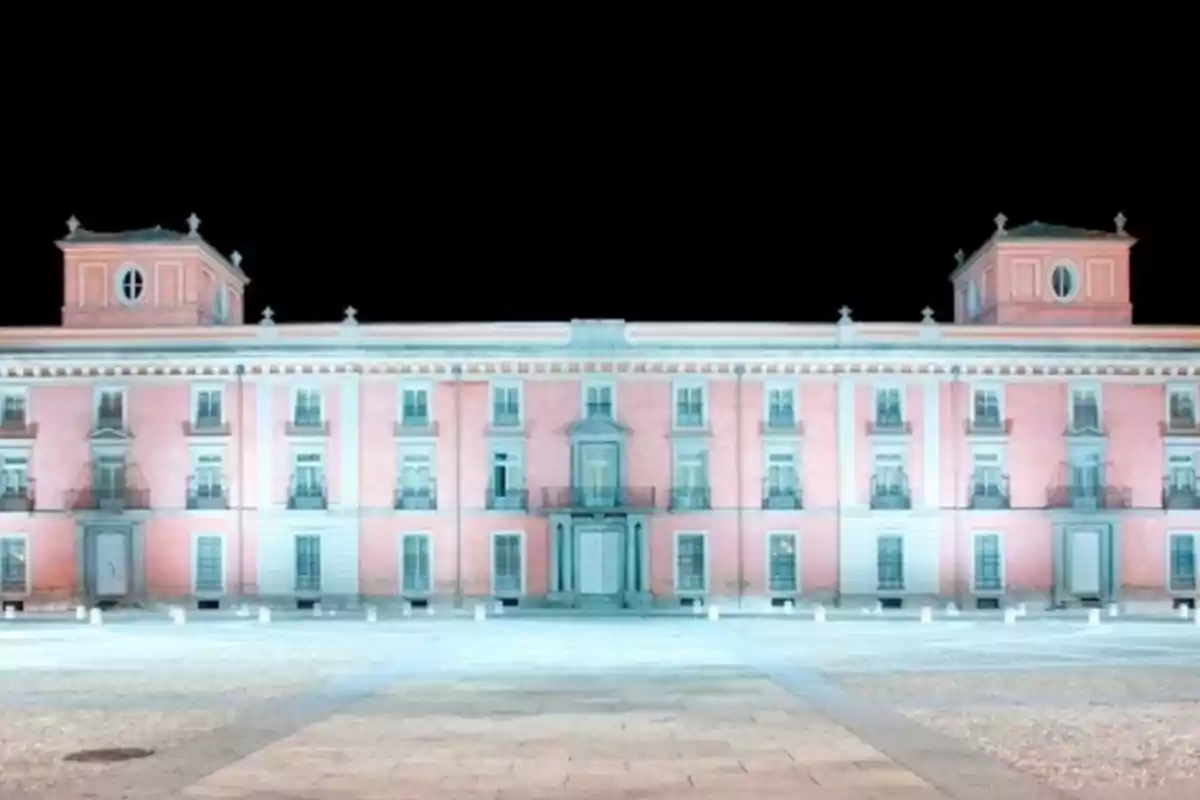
(1085, 410)
(986, 409)
(889, 475)
(506, 472)
(1183, 562)
(14, 412)
(507, 570)
(309, 480)
(987, 477)
(13, 565)
(988, 565)
(890, 555)
(781, 474)
(782, 568)
(210, 569)
(1181, 409)
(208, 481)
(14, 476)
(689, 407)
(506, 405)
(417, 563)
(598, 400)
(307, 410)
(889, 410)
(308, 563)
(414, 406)
(110, 409)
(1087, 475)
(108, 478)
(208, 408)
(1181, 474)
(416, 483)
(691, 569)
(691, 478)
(781, 407)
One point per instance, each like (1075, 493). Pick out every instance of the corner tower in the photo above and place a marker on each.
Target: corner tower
(148, 278)
(1040, 274)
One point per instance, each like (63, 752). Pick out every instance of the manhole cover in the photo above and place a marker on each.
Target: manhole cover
(108, 755)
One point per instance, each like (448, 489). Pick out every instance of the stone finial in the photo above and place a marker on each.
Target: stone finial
(268, 317)
(236, 258)
(1120, 219)
(193, 225)
(351, 316)
(960, 257)
(844, 311)
(72, 225)
(927, 316)
(1000, 221)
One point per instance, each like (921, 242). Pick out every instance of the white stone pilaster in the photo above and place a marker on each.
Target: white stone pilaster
(846, 406)
(265, 435)
(349, 390)
(932, 419)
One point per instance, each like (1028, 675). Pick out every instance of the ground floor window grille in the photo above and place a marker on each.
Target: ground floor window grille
(690, 563)
(1183, 563)
(416, 563)
(987, 563)
(890, 552)
(308, 563)
(783, 562)
(506, 559)
(12, 565)
(209, 569)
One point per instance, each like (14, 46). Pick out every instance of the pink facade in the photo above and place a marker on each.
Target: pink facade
(1039, 448)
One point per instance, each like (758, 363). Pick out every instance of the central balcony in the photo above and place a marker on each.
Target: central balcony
(696, 498)
(1077, 497)
(416, 498)
(17, 498)
(782, 497)
(990, 495)
(603, 498)
(108, 498)
(890, 495)
(206, 495)
(507, 499)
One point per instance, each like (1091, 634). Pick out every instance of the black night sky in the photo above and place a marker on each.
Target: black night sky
(519, 169)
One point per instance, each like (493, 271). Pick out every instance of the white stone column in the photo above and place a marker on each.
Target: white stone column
(265, 434)
(846, 407)
(348, 388)
(931, 417)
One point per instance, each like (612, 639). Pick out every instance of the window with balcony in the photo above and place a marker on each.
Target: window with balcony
(987, 415)
(13, 411)
(889, 552)
(414, 407)
(691, 478)
(14, 480)
(988, 484)
(209, 564)
(889, 483)
(508, 571)
(14, 565)
(889, 408)
(690, 409)
(598, 401)
(691, 568)
(1180, 482)
(208, 482)
(208, 413)
(1181, 409)
(988, 563)
(782, 489)
(1085, 411)
(506, 405)
(110, 409)
(308, 482)
(308, 563)
(1087, 475)
(306, 410)
(108, 478)
(1183, 562)
(782, 569)
(416, 489)
(507, 488)
(417, 577)
(781, 407)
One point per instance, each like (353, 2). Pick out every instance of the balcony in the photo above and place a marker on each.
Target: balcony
(1180, 495)
(206, 426)
(691, 499)
(575, 498)
(307, 497)
(988, 426)
(1179, 426)
(416, 427)
(782, 498)
(206, 496)
(889, 426)
(989, 495)
(108, 498)
(17, 428)
(890, 495)
(18, 499)
(416, 498)
(308, 427)
(1089, 498)
(507, 499)
(781, 425)
(110, 428)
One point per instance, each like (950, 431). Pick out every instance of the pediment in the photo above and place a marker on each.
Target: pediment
(598, 426)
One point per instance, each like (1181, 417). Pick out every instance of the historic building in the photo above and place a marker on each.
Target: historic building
(1040, 447)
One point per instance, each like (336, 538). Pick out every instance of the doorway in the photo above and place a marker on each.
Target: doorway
(600, 563)
(108, 562)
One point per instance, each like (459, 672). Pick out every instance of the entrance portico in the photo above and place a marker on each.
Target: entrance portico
(599, 560)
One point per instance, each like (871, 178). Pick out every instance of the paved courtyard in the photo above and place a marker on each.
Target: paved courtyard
(606, 708)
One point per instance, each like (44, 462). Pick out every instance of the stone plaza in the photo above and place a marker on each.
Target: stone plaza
(522, 705)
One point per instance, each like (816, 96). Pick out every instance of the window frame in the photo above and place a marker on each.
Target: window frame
(130, 268)
(206, 388)
(1189, 389)
(307, 389)
(1001, 567)
(401, 407)
(28, 578)
(690, 384)
(797, 584)
(1171, 536)
(781, 386)
(1089, 387)
(97, 401)
(493, 386)
(888, 386)
(878, 559)
(597, 383)
(405, 590)
(1070, 268)
(524, 555)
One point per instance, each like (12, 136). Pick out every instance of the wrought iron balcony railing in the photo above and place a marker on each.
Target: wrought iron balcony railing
(507, 499)
(206, 495)
(1179, 494)
(307, 496)
(989, 495)
(890, 495)
(889, 427)
(602, 497)
(988, 426)
(206, 426)
(416, 498)
(18, 428)
(1089, 497)
(696, 498)
(17, 498)
(783, 497)
(108, 498)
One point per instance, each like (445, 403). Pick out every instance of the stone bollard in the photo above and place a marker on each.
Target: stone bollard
(372, 614)
(866, 611)
(480, 612)
(1184, 612)
(497, 608)
(714, 614)
(179, 615)
(819, 614)
(1093, 616)
(951, 610)
(10, 612)
(96, 617)
(264, 615)
(1022, 610)
(406, 609)
(80, 613)
(317, 610)
(926, 615)
(789, 607)
(243, 610)
(1010, 616)
(697, 607)
(878, 608)
(430, 611)
(1114, 610)
(1196, 617)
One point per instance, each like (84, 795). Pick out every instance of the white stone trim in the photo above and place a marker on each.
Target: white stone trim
(1076, 280)
(932, 426)
(129, 268)
(194, 564)
(265, 437)
(846, 438)
(349, 436)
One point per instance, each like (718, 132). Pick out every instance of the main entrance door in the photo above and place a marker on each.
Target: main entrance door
(1084, 563)
(601, 561)
(111, 564)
